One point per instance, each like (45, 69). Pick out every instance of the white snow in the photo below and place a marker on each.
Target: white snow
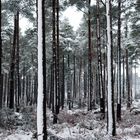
(18, 137)
(130, 138)
(19, 115)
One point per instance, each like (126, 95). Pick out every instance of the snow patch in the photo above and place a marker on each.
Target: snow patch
(19, 137)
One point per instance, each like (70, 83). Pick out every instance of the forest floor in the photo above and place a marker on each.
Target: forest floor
(77, 124)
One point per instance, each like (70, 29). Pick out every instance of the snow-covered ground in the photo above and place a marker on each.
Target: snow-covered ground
(79, 124)
(19, 137)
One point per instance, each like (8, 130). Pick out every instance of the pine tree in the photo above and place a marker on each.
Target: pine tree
(110, 100)
(12, 68)
(89, 58)
(100, 80)
(41, 102)
(17, 62)
(58, 57)
(54, 48)
(128, 81)
(0, 60)
(119, 62)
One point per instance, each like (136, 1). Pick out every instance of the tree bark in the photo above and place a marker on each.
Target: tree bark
(17, 62)
(127, 81)
(89, 58)
(54, 61)
(110, 103)
(123, 87)
(119, 63)
(101, 86)
(57, 59)
(41, 102)
(1, 93)
(12, 68)
(63, 84)
(69, 84)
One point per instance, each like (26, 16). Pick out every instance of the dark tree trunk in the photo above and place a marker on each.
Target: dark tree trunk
(89, 59)
(74, 78)
(27, 90)
(52, 88)
(54, 61)
(69, 84)
(85, 80)
(12, 68)
(123, 87)
(119, 63)
(112, 80)
(57, 58)
(8, 89)
(23, 84)
(100, 80)
(134, 97)
(17, 63)
(127, 81)
(80, 70)
(4, 88)
(2, 81)
(35, 89)
(0, 60)
(63, 84)
(131, 83)
(44, 72)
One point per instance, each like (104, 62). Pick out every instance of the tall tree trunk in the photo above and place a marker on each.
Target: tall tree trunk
(12, 68)
(80, 71)
(54, 60)
(17, 62)
(89, 58)
(110, 102)
(123, 87)
(113, 78)
(85, 80)
(74, 78)
(127, 81)
(57, 59)
(8, 88)
(135, 86)
(69, 84)
(131, 82)
(27, 90)
(35, 88)
(4, 88)
(0, 60)
(119, 63)
(101, 86)
(51, 87)
(23, 83)
(63, 84)
(41, 102)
